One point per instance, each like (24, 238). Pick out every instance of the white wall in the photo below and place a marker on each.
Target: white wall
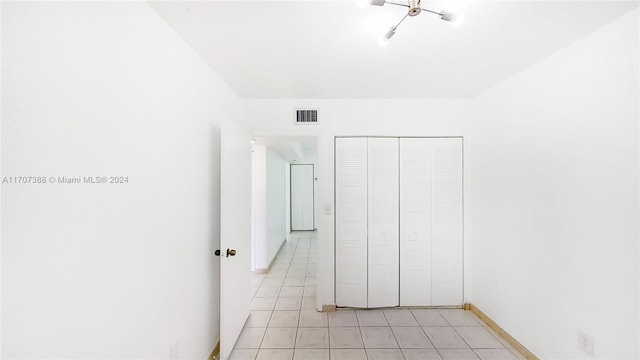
(268, 196)
(311, 157)
(276, 206)
(108, 271)
(356, 117)
(555, 198)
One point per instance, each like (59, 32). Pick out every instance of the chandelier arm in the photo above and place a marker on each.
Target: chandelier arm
(395, 27)
(431, 11)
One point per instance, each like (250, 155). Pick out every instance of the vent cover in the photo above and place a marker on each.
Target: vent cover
(306, 116)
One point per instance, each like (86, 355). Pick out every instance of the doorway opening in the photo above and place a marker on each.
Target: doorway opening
(282, 194)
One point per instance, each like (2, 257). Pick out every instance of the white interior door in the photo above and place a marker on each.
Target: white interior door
(351, 222)
(235, 234)
(302, 206)
(383, 237)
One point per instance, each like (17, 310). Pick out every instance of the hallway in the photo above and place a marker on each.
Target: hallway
(284, 324)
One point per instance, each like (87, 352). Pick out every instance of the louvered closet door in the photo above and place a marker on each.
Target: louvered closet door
(383, 222)
(415, 221)
(446, 222)
(431, 221)
(351, 222)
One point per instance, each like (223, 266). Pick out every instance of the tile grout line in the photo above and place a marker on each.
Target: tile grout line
(295, 338)
(273, 310)
(394, 334)
(422, 329)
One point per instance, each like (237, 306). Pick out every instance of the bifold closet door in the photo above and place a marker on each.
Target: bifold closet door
(398, 222)
(351, 222)
(431, 222)
(415, 221)
(383, 223)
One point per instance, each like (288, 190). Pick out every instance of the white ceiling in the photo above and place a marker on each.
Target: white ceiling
(328, 49)
(295, 149)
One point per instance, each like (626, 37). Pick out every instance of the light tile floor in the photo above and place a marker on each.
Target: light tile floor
(284, 324)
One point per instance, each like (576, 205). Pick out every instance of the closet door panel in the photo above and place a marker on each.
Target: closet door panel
(415, 222)
(351, 222)
(383, 222)
(447, 222)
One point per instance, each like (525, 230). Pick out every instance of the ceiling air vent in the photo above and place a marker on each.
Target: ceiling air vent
(306, 116)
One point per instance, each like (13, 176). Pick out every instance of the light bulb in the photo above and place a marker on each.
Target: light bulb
(455, 19)
(384, 39)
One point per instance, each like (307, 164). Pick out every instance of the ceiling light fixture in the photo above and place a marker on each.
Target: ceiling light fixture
(414, 9)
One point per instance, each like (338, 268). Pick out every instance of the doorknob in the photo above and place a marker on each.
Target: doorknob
(217, 252)
(231, 252)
